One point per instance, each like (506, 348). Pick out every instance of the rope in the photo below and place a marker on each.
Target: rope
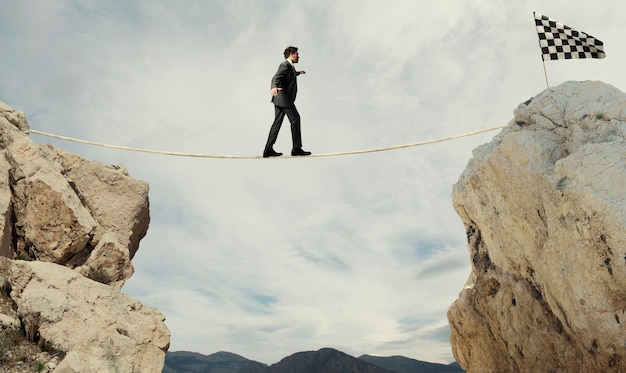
(197, 155)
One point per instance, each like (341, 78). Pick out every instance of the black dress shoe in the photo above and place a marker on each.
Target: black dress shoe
(299, 151)
(271, 153)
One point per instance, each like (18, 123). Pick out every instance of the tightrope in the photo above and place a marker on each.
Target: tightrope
(198, 155)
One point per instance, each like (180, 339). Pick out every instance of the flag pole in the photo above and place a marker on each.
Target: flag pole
(560, 42)
(544, 71)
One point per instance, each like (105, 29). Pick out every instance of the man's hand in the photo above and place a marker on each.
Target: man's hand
(301, 72)
(274, 91)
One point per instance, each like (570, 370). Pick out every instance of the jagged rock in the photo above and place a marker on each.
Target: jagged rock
(544, 209)
(78, 221)
(13, 117)
(99, 186)
(92, 326)
(51, 222)
(57, 207)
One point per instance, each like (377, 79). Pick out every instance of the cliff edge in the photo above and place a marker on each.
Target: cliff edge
(68, 231)
(544, 209)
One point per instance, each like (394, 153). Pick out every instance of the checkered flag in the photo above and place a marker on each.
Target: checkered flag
(560, 42)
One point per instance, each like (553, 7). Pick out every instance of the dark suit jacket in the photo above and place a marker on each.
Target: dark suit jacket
(285, 78)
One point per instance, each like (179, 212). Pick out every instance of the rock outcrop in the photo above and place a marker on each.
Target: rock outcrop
(68, 231)
(57, 207)
(91, 326)
(544, 208)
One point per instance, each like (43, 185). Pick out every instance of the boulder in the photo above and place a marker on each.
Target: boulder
(544, 211)
(93, 327)
(58, 207)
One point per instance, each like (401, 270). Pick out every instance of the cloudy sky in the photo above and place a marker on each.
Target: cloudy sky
(268, 257)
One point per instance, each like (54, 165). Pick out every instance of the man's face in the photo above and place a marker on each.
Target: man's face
(294, 57)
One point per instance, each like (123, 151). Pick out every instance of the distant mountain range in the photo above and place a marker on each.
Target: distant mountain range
(326, 360)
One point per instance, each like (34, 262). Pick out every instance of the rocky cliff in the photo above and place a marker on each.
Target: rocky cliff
(544, 208)
(59, 208)
(68, 231)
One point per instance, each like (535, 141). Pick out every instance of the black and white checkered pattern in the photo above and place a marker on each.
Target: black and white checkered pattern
(560, 42)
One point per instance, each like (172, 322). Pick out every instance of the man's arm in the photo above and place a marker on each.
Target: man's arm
(282, 70)
(280, 74)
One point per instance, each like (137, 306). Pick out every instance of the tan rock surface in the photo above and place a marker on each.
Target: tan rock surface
(545, 214)
(78, 224)
(94, 326)
(58, 207)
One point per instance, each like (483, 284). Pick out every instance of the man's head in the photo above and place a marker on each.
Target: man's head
(292, 54)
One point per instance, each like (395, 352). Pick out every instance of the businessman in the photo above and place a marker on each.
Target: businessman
(284, 90)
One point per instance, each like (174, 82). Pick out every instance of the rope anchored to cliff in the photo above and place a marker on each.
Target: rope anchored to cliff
(198, 155)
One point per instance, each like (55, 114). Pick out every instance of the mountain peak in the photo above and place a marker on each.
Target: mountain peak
(545, 218)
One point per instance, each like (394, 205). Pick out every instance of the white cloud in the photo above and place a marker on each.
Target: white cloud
(266, 258)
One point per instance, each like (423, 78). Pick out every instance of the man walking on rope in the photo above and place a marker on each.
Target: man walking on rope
(284, 90)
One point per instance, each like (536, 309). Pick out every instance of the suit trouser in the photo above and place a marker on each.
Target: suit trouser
(294, 119)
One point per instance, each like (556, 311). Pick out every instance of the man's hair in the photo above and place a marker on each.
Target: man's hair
(289, 51)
